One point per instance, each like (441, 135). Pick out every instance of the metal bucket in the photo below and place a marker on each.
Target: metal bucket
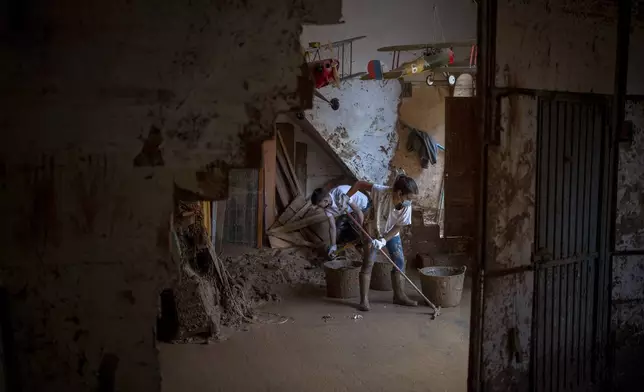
(341, 279)
(381, 276)
(443, 285)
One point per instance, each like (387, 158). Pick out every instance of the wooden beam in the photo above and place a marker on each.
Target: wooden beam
(301, 153)
(289, 164)
(282, 190)
(260, 209)
(295, 238)
(291, 210)
(288, 179)
(287, 131)
(301, 213)
(219, 221)
(299, 224)
(278, 243)
(270, 171)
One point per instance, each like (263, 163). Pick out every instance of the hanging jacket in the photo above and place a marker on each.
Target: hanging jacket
(424, 144)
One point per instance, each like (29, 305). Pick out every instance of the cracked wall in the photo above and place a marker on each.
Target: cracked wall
(108, 106)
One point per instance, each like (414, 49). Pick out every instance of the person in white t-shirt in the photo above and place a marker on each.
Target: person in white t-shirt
(391, 211)
(336, 202)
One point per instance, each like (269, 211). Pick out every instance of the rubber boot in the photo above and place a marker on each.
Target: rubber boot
(398, 284)
(365, 282)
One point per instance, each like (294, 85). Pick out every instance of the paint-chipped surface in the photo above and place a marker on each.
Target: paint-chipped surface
(630, 192)
(510, 233)
(363, 131)
(107, 106)
(628, 272)
(425, 111)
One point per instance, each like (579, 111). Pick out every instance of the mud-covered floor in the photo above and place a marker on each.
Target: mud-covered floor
(391, 348)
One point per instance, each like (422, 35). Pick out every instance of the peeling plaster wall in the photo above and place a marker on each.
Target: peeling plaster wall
(107, 106)
(425, 111)
(510, 233)
(544, 45)
(363, 131)
(628, 271)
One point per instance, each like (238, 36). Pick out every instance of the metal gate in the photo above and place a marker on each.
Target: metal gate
(569, 335)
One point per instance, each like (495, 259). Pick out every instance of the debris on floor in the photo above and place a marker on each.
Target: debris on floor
(261, 270)
(218, 291)
(207, 296)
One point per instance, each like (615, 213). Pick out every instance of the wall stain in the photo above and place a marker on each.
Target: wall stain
(150, 154)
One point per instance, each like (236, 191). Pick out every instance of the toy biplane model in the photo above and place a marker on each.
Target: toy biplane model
(436, 58)
(332, 70)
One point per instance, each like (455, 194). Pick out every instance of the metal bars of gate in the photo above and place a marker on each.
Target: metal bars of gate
(571, 160)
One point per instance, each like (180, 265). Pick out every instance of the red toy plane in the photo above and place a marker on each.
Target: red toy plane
(331, 71)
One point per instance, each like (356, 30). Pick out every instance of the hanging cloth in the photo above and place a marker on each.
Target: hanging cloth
(424, 144)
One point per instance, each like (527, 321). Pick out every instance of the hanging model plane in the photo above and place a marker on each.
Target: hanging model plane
(331, 71)
(436, 58)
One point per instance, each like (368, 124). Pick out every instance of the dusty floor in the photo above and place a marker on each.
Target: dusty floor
(390, 349)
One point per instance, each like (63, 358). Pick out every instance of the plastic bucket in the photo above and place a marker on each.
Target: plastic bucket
(443, 285)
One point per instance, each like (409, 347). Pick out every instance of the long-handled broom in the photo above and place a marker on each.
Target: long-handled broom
(437, 309)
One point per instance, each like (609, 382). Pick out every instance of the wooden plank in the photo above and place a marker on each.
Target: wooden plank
(207, 217)
(295, 238)
(282, 191)
(301, 153)
(291, 211)
(279, 243)
(301, 213)
(287, 131)
(319, 229)
(220, 219)
(270, 171)
(311, 235)
(291, 170)
(310, 220)
(289, 180)
(260, 209)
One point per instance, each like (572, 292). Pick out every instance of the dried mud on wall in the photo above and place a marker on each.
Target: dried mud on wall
(425, 111)
(628, 271)
(541, 45)
(510, 234)
(121, 101)
(363, 131)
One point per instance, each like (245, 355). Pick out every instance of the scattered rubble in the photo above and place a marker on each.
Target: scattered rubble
(225, 291)
(262, 270)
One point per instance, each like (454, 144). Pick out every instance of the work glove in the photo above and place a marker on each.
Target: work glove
(332, 249)
(379, 244)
